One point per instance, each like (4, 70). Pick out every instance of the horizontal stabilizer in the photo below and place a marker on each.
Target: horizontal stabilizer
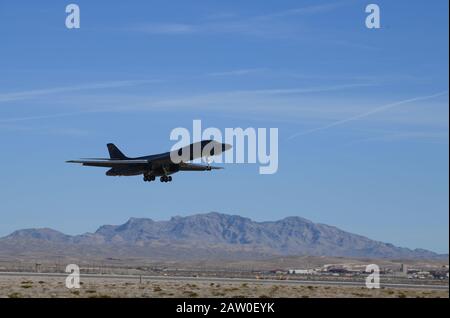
(109, 163)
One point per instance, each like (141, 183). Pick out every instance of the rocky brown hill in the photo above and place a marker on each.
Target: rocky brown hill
(211, 235)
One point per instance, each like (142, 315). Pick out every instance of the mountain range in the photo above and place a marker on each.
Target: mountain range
(206, 236)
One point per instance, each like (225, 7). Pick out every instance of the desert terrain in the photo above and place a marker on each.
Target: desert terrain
(54, 287)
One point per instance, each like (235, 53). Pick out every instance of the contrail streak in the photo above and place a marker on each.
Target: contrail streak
(370, 112)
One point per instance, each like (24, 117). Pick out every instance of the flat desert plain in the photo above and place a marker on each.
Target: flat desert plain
(51, 287)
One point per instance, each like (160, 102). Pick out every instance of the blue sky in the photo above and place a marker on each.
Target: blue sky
(362, 114)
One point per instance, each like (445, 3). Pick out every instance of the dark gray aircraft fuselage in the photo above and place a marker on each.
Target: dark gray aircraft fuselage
(159, 165)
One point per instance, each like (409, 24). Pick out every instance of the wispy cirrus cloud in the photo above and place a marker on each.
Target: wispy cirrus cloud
(9, 97)
(306, 10)
(66, 131)
(278, 100)
(166, 28)
(295, 105)
(46, 116)
(266, 24)
(238, 72)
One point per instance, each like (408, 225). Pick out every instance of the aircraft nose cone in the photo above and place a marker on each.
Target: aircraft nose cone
(226, 147)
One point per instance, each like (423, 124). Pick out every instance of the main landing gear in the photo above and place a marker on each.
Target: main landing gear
(165, 179)
(148, 178)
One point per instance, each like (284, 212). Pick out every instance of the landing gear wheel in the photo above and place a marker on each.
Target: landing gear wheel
(165, 179)
(148, 178)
